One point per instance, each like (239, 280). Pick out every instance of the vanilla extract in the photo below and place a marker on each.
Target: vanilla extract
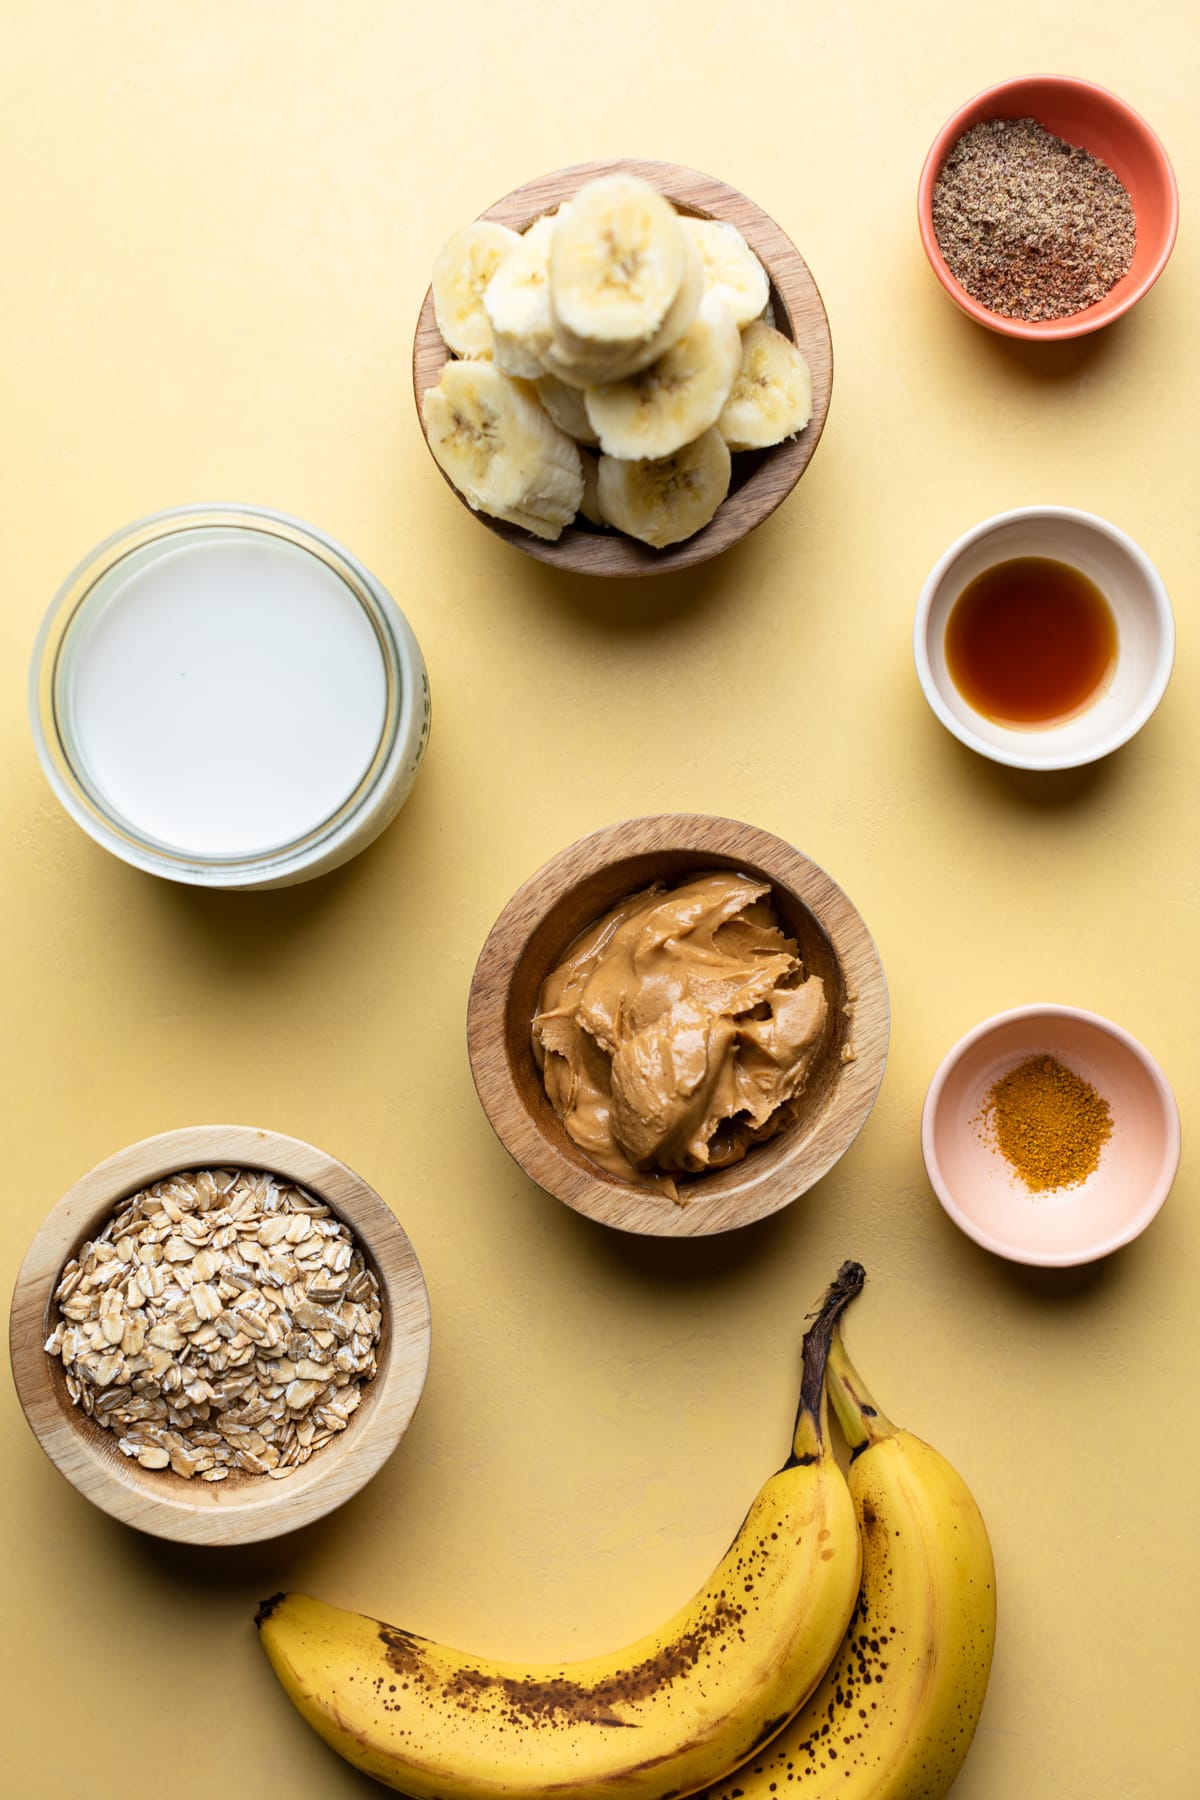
(1031, 641)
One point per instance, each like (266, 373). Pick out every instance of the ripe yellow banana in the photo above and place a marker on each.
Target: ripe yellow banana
(897, 1710)
(667, 1715)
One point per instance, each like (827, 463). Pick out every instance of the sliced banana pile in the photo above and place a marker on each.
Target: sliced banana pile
(615, 325)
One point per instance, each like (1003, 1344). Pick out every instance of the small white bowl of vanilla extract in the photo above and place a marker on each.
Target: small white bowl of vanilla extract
(1044, 638)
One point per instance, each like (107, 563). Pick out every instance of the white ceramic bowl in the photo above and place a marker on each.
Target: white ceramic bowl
(1145, 635)
(1064, 1226)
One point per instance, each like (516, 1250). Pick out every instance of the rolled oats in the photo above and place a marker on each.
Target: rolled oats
(223, 1321)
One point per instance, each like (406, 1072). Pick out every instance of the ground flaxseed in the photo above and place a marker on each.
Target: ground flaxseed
(1031, 226)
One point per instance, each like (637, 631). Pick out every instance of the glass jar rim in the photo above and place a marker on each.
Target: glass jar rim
(91, 810)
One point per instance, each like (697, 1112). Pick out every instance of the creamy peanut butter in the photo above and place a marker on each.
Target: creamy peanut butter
(679, 1029)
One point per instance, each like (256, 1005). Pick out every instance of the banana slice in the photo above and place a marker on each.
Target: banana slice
(589, 506)
(462, 272)
(665, 501)
(730, 266)
(517, 303)
(616, 265)
(566, 408)
(772, 395)
(656, 412)
(588, 366)
(502, 451)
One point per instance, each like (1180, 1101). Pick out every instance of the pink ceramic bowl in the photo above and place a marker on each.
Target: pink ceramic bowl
(983, 1194)
(1087, 115)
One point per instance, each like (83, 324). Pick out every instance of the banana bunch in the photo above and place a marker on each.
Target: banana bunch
(668, 1715)
(897, 1710)
(634, 331)
(842, 1645)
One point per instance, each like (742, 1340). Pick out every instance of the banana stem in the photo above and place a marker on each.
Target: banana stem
(809, 1437)
(861, 1420)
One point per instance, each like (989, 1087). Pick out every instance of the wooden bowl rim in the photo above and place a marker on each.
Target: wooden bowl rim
(538, 1145)
(779, 469)
(249, 1509)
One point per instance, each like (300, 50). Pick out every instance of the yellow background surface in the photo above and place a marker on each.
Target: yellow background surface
(217, 222)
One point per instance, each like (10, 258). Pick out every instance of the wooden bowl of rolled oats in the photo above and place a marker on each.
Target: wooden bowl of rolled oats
(219, 1334)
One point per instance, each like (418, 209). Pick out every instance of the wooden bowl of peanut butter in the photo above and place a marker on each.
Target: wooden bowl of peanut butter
(678, 1025)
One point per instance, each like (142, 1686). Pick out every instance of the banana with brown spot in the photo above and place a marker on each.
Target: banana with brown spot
(897, 1710)
(671, 1713)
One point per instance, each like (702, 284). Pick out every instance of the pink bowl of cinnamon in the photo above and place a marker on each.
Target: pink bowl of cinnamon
(1102, 127)
(1050, 1135)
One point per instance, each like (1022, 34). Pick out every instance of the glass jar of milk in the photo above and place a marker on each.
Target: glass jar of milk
(224, 696)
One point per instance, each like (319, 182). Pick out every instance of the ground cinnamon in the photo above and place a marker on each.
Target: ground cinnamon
(1048, 1122)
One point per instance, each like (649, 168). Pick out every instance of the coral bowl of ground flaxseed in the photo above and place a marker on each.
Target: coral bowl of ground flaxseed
(1047, 207)
(1050, 1135)
(219, 1334)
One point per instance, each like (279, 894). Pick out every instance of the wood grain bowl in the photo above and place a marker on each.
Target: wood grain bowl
(244, 1508)
(761, 479)
(573, 890)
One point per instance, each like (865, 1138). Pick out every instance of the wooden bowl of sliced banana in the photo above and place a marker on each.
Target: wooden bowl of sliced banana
(622, 368)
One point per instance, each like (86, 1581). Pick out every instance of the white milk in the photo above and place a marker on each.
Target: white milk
(224, 693)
